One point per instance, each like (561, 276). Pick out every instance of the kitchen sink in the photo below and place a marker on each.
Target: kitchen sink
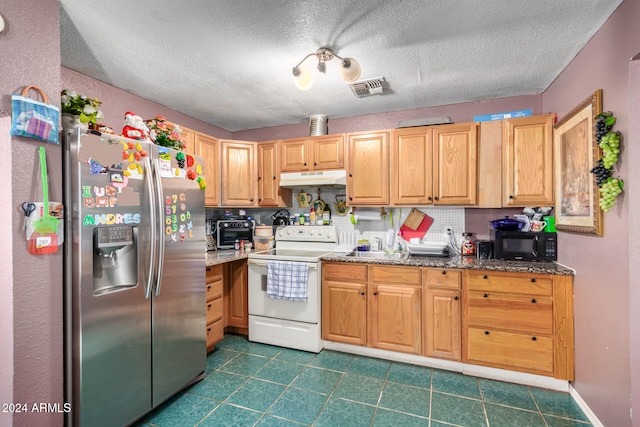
(379, 255)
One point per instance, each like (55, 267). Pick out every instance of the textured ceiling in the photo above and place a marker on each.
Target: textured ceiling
(229, 62)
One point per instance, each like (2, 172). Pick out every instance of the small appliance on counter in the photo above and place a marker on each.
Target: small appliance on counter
(484, 249)
(229, 230)
(281, 217)
(525, 245)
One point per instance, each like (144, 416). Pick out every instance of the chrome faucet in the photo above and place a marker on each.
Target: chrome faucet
(378, 243)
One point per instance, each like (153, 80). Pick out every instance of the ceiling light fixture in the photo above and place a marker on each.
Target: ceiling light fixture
(303, 76)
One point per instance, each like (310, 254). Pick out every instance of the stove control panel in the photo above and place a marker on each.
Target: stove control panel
(307, 233)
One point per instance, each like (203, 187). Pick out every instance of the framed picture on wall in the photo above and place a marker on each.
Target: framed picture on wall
(576, 150)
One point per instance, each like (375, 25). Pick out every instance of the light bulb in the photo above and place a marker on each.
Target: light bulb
(350, 72)
(302, 77)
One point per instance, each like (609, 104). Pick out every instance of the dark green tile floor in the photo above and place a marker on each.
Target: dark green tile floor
(250, 384)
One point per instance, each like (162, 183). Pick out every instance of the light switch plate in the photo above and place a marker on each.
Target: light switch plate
(1, 23)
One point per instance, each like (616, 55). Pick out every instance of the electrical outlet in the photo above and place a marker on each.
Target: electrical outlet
(448, 228)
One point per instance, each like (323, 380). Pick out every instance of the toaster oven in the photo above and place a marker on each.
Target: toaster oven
(228, 231)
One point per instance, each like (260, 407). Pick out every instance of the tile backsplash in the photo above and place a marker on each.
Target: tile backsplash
(367, 228)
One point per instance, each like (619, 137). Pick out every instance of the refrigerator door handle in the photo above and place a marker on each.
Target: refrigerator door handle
(160, 236)
(153, 230)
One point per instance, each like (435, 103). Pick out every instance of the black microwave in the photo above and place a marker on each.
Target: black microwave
(525, 245)
(228, 231)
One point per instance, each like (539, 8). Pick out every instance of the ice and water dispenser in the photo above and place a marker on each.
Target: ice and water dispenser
(115, 259)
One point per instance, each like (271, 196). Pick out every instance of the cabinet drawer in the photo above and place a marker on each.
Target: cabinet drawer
(214, 310)
(515, 284)
(521, 352)
(401, 275)
(214, 289)
(353, 272)
(511, 312)
(215, 333)
(441, 278)
(214, 272)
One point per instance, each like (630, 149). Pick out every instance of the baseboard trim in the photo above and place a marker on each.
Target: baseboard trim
(448, 365)
(585, 408)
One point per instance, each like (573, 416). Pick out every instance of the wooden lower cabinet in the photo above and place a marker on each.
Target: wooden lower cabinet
(441, 309)
(522, 322)
(215, 306)
(515, 321)
(372, 306)
(237, 298)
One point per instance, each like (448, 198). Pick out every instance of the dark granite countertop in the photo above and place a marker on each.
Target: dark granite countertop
(468, 263)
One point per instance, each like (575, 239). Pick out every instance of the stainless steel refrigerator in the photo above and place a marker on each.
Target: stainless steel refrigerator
(134, 276)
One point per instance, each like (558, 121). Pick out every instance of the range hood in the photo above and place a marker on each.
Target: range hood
(336, 178)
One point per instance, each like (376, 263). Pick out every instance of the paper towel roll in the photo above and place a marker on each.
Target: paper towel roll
(364, 214)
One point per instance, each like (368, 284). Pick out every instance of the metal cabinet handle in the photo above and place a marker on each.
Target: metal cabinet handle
(208, 305)
(259, 178)
(486, 332)
(361, 292)
(533, 338)
(455, 298)
(485, 295)
(375, 293)
(485, 277)
(533, 280)
(511, 196)
(444, 271)
(533, 301)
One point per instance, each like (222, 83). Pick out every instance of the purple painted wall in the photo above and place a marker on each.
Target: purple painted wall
(633, 189)
(30, 48)
(116, 102)
(458, 113)
(602, 285)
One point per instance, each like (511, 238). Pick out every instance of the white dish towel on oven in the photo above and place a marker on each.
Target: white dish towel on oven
(287, 280)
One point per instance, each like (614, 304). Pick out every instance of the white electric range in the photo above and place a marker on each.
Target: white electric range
(292, 324)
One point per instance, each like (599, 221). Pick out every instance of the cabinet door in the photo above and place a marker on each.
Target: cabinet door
(207, 148)
(395, 318)
(344, 313)
(328, 152)
(238, 174)
(455, 160)
(236, 282)
(411, 166)
(294, 155)
(368, 169)
(189, 137)
(527, 162)
(268, 174)
(442, 323)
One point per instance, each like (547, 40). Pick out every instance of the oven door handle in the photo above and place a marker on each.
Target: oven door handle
(263, 263)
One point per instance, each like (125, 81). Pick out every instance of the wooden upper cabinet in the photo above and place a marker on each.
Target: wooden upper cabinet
(238, 174)
(455, 160)
(328, 152)
(189, 136)
(411, 166)
(207, 147)
(294, 155)
(313, 153)
(368, 168)
(527, 161)
(270, 194)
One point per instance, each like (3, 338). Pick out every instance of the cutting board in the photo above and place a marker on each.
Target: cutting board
(407, 233)
(414, 219)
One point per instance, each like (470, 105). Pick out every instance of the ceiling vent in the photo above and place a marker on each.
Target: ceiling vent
(368, 87)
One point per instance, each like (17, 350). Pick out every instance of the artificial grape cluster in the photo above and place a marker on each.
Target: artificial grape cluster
(609, 191)
(601, 173)
(610, 144)
(604, 123)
